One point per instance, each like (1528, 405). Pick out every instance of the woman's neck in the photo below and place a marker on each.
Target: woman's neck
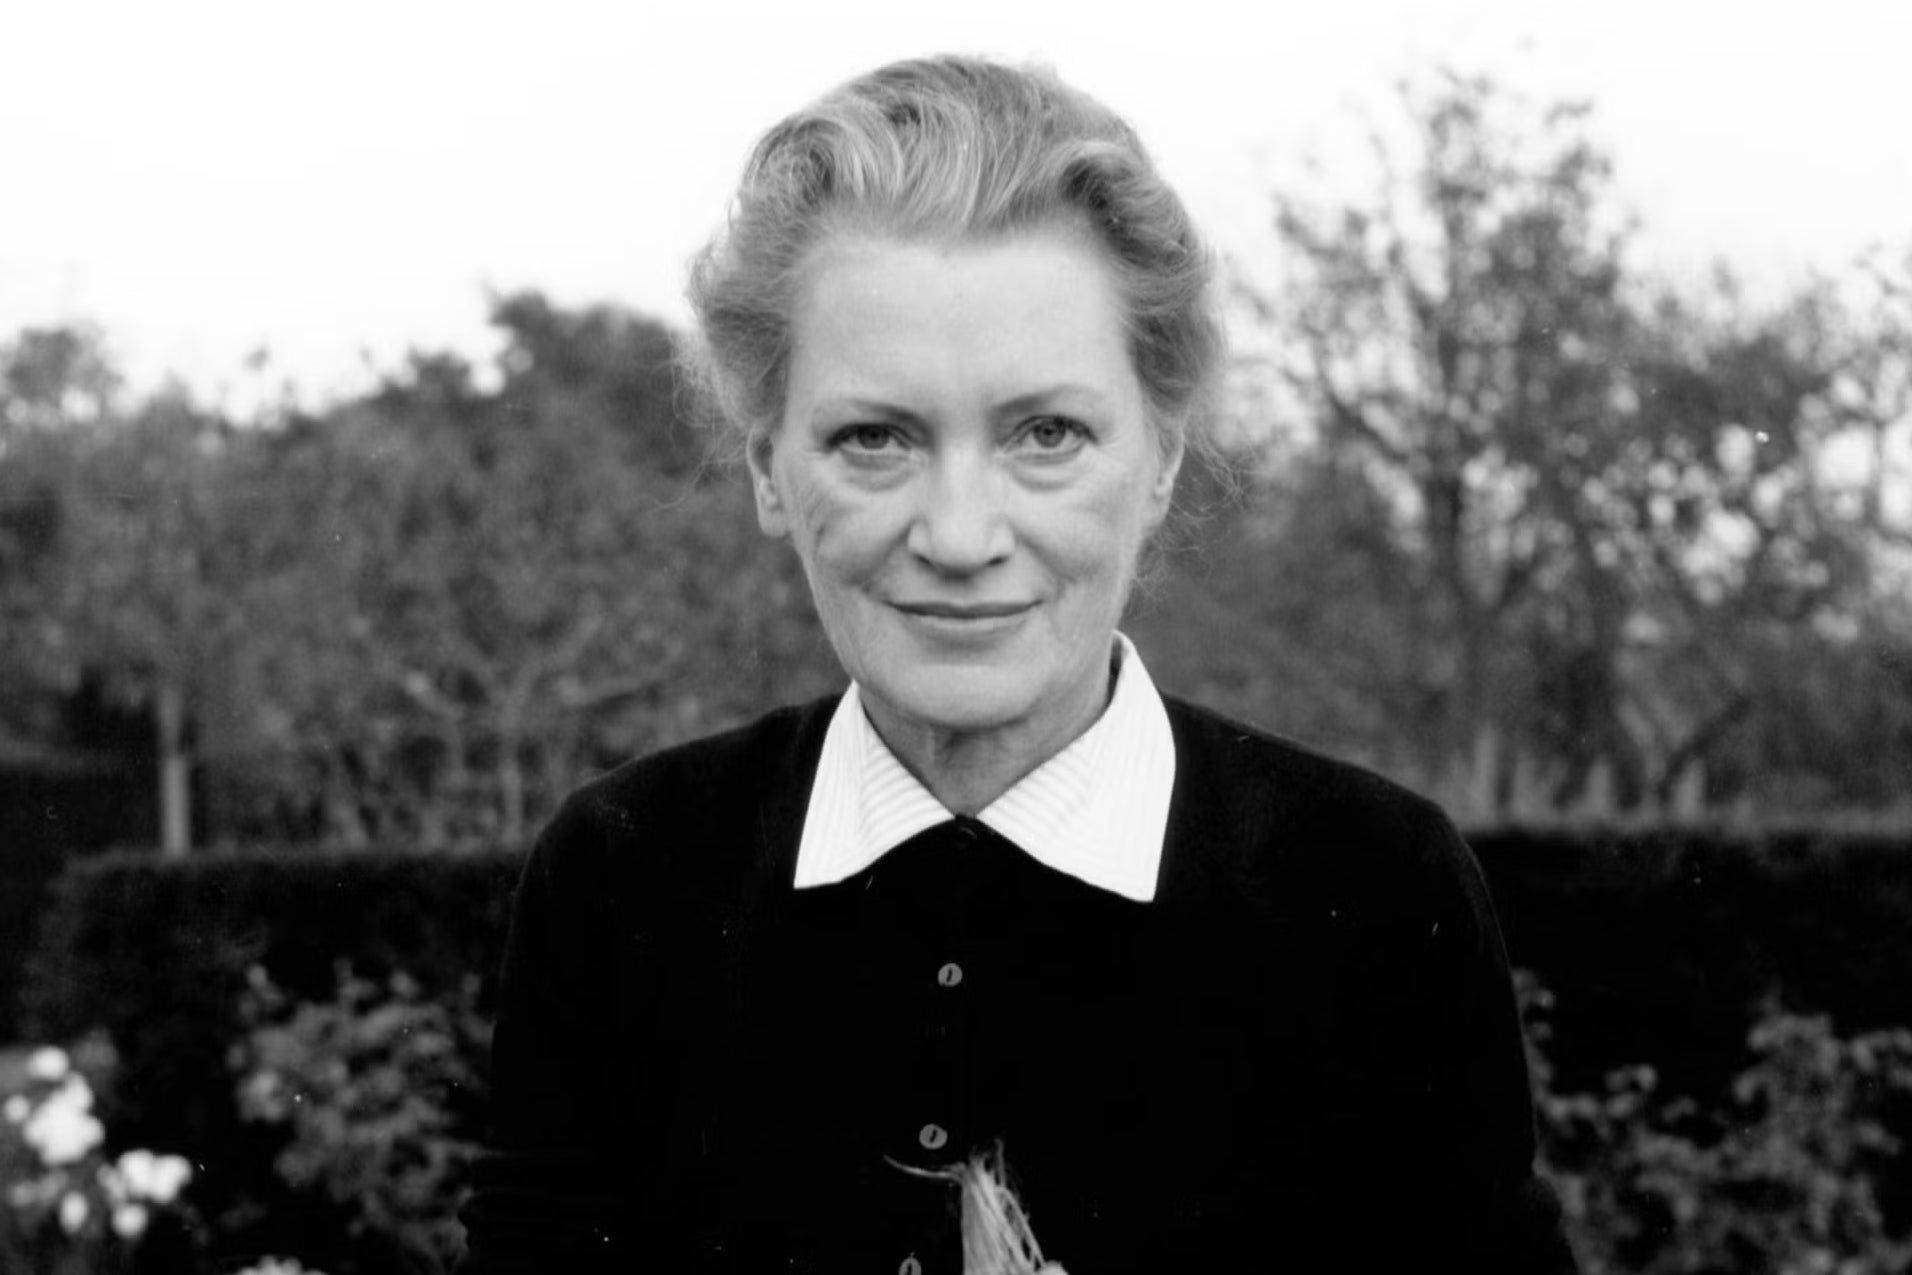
(967, 770)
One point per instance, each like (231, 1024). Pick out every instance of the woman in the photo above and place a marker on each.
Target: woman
(1203, 999)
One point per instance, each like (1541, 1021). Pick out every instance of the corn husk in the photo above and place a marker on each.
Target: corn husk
(997, 1237)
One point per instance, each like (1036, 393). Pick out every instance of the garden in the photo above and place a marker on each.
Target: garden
(295, 1081)
(1614, 568)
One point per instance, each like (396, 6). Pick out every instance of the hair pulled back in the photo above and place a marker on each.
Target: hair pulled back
(952, 148)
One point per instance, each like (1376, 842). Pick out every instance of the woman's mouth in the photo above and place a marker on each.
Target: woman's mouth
(963, 610)
(964, 619)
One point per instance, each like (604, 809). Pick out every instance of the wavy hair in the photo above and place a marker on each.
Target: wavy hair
(952, 148)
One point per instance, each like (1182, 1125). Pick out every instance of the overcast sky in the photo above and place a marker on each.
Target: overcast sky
(338, 182)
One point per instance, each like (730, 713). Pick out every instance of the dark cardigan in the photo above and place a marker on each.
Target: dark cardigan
(1302, 1055)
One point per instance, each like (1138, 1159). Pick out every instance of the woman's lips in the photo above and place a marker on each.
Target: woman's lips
(964, 620)
(963, 610)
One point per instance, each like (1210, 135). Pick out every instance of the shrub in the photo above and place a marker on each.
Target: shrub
(54, 808)
(378, 1093)
(1780, 1176)
(71, 1206)
(1657, 943)
(1660, 942)
(157, 955)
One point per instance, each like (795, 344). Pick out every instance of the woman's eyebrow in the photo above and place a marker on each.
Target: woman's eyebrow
(860, 406)
(1050, 396)
(1046, 398)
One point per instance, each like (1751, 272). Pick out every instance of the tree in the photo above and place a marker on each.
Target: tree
(497, 590)
(54, 377)
(417, 616)
(1766, 620)
(1594, 524)
(112, 559)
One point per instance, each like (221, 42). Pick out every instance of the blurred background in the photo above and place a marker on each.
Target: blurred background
(352, 511)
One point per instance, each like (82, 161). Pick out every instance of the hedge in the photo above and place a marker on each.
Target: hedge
(157, 953)
(1659, 947)
(52, 812)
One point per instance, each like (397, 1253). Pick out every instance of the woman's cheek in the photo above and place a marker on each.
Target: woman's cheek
(848, 529)
(807, 500)
(1100, 531)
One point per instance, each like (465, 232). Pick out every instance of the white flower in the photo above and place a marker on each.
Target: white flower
(129, 1221)
(141, 1175)
(17, 1108)
(63, 1130)
(73, 1211)
(48, 1064)
(278, 1266)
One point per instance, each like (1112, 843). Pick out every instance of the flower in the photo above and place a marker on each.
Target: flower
(140, 1176)
(63, 1129)
(48, 1064)
(17, 1109)
(129, 1221)
(73, 1212)
(278, 1266)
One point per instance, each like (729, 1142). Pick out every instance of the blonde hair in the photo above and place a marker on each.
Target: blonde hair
(952, 148)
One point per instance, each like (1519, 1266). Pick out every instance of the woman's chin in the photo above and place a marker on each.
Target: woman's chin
(958, 702)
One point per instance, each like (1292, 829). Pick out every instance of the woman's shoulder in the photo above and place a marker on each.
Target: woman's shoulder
(697, 790)
(1287, 811)
(744, 754)
(1262, 764)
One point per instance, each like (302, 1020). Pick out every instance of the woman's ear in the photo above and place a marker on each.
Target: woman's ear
(758, 454)
(1162, 489)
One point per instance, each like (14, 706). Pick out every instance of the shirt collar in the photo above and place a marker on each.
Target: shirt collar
(1097, 810)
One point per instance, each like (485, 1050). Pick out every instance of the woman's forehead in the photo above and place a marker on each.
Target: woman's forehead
(1039, 305)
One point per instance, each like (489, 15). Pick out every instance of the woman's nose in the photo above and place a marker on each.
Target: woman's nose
(960, 523)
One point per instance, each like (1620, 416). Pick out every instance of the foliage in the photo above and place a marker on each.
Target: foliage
(1544, 532)
(473, 598)
(419, 615)
(1654, 938)
(114, 956)
(1657, 940)
(1637, 532)
(362, 1091)
(1542, 528)
(71, 1208)
(370, 1102)
(132, 570)
(1782, 1176)
(377, 1090)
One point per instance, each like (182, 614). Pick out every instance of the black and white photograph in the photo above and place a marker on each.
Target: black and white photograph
(1017, 638)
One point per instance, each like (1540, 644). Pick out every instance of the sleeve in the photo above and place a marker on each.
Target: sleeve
(1513, 1222)
(545, 1196)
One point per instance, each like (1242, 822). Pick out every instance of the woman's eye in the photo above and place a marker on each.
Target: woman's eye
(1053, 433)
(867, 438)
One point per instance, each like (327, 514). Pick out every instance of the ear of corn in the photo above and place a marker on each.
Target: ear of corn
(997, 1237)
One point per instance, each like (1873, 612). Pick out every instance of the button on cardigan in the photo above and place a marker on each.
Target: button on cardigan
(1302, 1054)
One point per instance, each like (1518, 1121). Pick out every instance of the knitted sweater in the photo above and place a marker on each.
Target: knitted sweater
(1302, 1055)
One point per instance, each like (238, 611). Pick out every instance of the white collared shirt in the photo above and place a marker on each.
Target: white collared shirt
(1097, 810)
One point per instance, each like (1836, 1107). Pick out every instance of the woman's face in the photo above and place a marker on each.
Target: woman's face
(968, 472)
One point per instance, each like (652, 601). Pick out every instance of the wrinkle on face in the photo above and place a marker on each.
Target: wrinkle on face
(952, 368)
